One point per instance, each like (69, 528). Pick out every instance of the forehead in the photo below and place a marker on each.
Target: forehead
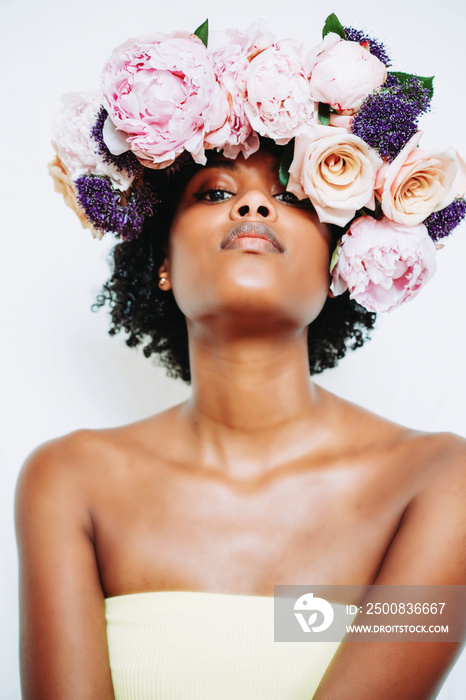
(263, 163)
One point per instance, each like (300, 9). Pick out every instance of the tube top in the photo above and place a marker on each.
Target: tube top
(186, 645)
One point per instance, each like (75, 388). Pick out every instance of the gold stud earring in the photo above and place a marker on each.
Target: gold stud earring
(162, 280)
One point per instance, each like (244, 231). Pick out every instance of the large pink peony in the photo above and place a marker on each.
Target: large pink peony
(231, 59)
(77, 151)
(343, 73)
(383, 263)
(253, 40)
(161, 92)
(278, 105)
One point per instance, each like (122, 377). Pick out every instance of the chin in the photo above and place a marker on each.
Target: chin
(248, 287)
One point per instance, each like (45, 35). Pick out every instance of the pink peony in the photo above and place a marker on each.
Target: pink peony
(75, 148)
(278, 101)
(343, 73)
(252, 41)
(161, 91)
(336, 170)
(230, 61)
(383, 263)
(417, 183)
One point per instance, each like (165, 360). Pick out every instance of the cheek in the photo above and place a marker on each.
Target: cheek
(308, 286)
(188, 263)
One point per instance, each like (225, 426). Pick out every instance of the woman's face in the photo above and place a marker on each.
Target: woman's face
(241, 246)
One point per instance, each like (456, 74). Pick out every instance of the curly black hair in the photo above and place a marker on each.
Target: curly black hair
(152, 316)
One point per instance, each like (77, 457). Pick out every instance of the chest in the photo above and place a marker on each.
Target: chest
(176, 532)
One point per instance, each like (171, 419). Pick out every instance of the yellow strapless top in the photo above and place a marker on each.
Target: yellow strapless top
(186, 645)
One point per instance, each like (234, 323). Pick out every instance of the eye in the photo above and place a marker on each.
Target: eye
(290, 198)
(213, 195)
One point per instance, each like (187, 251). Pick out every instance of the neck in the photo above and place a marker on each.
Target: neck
(253, 404)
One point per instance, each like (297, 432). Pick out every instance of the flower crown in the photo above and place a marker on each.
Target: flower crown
(349, 128)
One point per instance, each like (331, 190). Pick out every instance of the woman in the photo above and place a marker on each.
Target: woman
(260, 478)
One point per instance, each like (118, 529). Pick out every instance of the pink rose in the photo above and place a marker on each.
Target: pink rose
(77, 151)
(416, 183)
(383, 263)
(336, 170)
(343, 73)
(161, 91)
(278, 101)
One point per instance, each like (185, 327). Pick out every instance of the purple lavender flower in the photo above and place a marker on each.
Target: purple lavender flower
(106, 211)
(441, 223)
(375, 47)
(389, 118)
(392, 81)
(125, 161)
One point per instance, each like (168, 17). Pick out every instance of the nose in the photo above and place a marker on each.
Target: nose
(254, 204)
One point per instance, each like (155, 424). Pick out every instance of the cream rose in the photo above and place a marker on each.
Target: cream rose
(460, 181)
(336, 170)
(416, 183)
(63, 185)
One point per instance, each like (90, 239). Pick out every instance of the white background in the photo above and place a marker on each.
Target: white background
(59, 371)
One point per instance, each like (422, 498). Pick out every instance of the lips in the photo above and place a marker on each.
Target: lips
(252, 229)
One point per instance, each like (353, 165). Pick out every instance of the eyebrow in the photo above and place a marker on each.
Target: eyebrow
(231, 165)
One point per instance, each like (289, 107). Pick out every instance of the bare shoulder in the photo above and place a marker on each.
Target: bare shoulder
(444, 489)
(424, 464)
(67, 459)
(89, 450)
(439, 459)
(372, 429)
(68, 470)
(54, 475)
(79, 463)
(360, 429)
(431, 539)
(447, 452)
(441, 487)
(63, 646)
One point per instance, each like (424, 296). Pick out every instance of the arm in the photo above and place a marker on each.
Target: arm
(429, 548)
(63, 644)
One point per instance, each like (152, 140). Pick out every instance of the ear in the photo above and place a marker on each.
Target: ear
(330, 294)
(164, 278)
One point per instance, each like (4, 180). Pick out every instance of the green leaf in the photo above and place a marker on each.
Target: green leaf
(333, 24)
(285, 162)
(427, 83)
(335, 257)
(324, 114)
(203, 32)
